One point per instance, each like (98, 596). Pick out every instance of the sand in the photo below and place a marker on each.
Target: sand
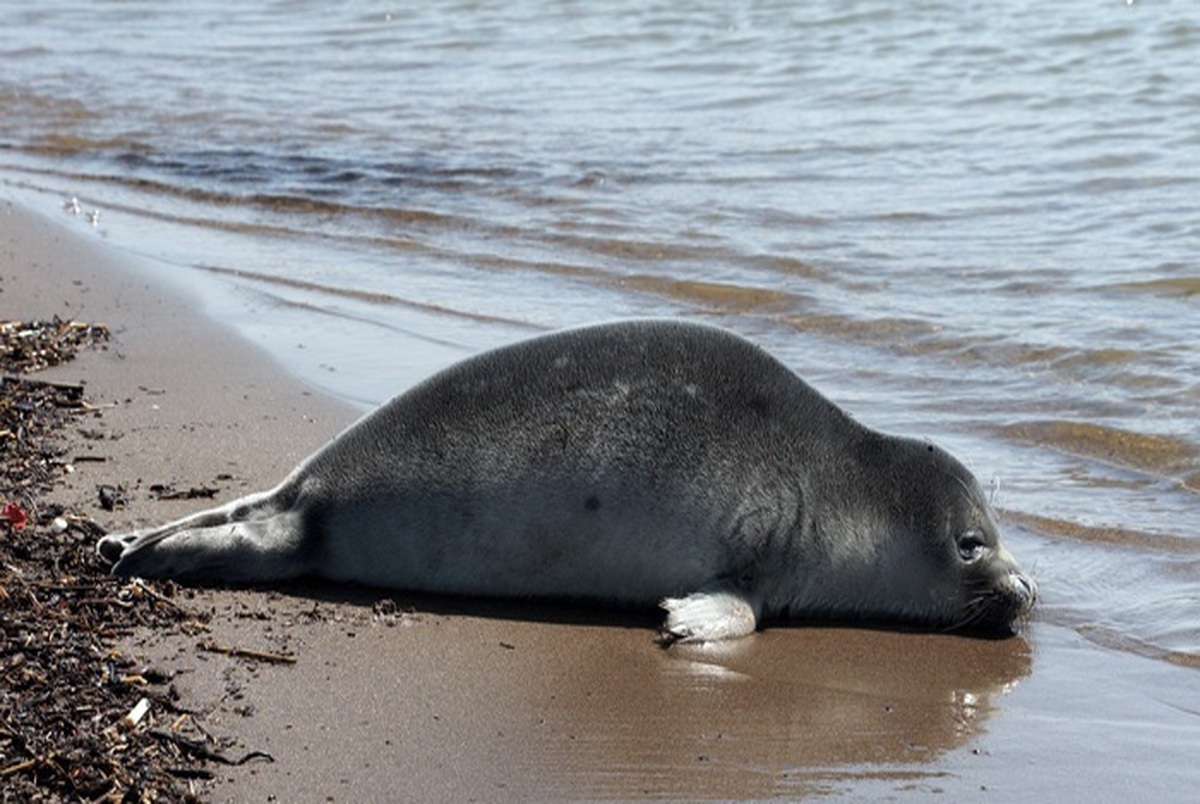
(402, 697)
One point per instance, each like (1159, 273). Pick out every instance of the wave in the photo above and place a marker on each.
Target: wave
(1157, 455)
(371, 297)
(1183, 287)
(1105, 535)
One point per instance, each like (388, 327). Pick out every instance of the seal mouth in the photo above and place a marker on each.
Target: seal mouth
(997, 608)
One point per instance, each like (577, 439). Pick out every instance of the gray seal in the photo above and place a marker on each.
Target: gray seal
(633, 463)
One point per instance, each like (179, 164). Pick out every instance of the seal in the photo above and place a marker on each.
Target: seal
(632, 463)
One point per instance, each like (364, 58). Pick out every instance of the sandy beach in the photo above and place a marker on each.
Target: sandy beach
(400, 697)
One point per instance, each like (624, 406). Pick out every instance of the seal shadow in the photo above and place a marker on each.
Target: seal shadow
(562, 611)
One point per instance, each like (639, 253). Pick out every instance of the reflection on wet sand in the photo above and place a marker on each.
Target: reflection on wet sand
(558, 702)
(788, 711)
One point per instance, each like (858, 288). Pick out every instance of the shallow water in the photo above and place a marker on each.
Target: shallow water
(973, 223)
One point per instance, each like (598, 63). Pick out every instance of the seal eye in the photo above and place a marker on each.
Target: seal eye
(971, 545)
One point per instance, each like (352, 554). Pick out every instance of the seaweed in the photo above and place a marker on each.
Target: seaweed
(78, 719)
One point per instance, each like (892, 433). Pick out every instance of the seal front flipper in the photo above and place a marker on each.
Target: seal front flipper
(709, 615)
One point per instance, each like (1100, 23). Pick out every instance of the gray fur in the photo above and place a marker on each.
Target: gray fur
(636, 463)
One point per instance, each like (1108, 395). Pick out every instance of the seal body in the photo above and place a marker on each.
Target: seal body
(634, 463)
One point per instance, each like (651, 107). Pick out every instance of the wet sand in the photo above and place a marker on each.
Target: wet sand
(402, 697)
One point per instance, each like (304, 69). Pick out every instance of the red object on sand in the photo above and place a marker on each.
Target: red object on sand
(15, 516)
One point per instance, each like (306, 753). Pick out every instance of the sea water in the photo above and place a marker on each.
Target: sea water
(973, 222)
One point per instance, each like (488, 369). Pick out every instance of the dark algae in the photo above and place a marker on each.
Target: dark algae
(79, 720)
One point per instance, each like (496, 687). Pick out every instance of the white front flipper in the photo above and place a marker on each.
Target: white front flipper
(708, 616)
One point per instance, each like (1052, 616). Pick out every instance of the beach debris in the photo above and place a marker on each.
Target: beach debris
(135, 716)
(31, 417)
(31, 345)
(76, 714)
(245, 653)
(111, 497)
(386, 611)
(198, 749)
(138, 589)
(165, 491)
(73, 708)
(14, 516)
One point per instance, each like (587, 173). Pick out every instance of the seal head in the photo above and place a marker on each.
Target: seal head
(924, 539)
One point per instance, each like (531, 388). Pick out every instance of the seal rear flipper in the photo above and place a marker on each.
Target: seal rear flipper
(263, 550)
(708, 615)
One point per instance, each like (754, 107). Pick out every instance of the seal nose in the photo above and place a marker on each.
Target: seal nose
(1010, 598)
(1023, 588)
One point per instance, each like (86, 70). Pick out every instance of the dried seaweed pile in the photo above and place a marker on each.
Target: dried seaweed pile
(30, 346)
(73, 724)
(33, 413)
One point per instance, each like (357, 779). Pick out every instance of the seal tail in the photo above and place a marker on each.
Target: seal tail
(251, 539)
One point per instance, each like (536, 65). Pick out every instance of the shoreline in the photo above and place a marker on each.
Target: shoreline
(416, 697)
